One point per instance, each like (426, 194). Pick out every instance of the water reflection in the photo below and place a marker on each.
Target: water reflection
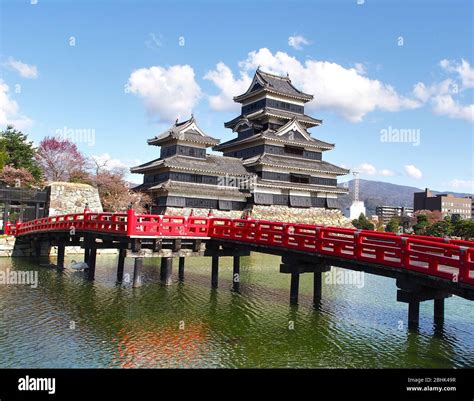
(70, 322)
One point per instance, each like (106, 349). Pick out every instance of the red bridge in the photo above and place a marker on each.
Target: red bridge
(426, 268)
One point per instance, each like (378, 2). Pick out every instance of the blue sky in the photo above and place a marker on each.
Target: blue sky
(125, 70)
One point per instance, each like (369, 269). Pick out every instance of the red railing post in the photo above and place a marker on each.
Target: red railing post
(8, 227)
(131, 222)
(17, 227)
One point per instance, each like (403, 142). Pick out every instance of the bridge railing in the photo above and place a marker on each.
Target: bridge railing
(437, 258)
(445, 258)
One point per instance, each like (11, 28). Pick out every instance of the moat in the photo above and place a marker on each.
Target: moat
(68, 321)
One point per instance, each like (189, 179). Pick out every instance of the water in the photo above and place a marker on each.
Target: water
(69, 322)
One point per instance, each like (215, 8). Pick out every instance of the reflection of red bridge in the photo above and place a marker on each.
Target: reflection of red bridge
(425, 267)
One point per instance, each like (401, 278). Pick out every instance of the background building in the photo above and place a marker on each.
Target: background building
(386, 213)
(447, 204)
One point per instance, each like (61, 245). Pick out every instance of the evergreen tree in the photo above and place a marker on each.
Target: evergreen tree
(17, 151)
(363, 223)
(392, 226)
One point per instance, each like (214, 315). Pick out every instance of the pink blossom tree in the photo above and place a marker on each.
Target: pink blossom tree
(60, 159)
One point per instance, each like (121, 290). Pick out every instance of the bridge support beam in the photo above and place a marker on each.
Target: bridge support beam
(439, 311)
(60, 257)
(181, 268)
(87, 253)
(121, 264)
(236, 274)
(215, 272)
(414, 293)
(413, 315)
(166, 270)
(294, 287)
(317, 288)
(137, 272)
(91, 264)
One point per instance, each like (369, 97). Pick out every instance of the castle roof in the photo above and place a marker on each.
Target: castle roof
(185, 131)
(266, 82)
(296, 163)
(212, 164)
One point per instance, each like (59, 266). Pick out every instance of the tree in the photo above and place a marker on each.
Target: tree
(363, 223)
(421, 224)
(17, 177)
(116, 194)
(441, 228)
(464, 229)
(18, 152)
(60, 159)
(392, 226)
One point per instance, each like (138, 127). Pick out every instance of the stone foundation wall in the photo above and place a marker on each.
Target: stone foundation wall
(68, 197)
(314, 215)
(180, 211)
(326, 217)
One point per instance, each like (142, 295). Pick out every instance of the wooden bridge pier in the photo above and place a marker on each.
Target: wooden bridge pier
(236, 274)
(297, 265)
(166, 270)
(181, 268)
(121, 264)
(60, 256)
(137, 272)
(413, 293)
(91, 263)
(215, 272)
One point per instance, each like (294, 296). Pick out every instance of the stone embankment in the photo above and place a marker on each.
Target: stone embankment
(325, 217)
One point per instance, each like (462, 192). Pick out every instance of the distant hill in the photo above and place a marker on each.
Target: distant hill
(377, 193)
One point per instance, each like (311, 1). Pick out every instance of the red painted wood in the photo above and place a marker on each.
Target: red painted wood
(440, 257)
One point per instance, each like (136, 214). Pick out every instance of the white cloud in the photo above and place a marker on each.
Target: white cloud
(369, 169)
(387, 173)
(336, 88)
(229, 87)
(464, 70)
(25, 70)
(424, 93)
(168, 93)
(447, 106)
(441, 95)
(360, 68)
(298, 41)
(462, 184)
(413, 171)
(107, 162)
(9, 110)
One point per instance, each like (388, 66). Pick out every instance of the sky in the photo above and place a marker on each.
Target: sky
(393, 81)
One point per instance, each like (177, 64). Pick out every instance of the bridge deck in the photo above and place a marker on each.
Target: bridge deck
(451, 261)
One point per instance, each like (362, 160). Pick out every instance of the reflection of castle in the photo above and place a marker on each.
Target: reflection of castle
(272, 161)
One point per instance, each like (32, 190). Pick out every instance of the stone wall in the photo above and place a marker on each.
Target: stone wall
(180, 211)
(68, 197)
(326, 217)
(313, 215)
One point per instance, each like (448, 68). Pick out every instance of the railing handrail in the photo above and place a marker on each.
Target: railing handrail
(413, 252)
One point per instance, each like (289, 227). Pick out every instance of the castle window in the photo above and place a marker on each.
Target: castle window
(293, 150)
(299, 178)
